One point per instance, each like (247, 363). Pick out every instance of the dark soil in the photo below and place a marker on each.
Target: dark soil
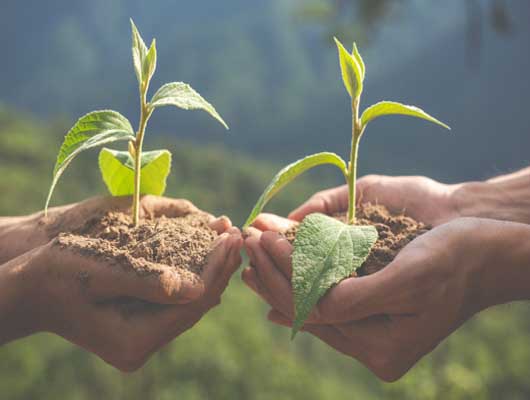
(183, 243)
(395, 232)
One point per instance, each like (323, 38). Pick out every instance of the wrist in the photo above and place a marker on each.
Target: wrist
(18, 283)
(21, 234)
(506, 200)
(503, 273)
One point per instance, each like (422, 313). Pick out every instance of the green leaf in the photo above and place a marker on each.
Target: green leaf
(183, 96)
(352, 74)
(149, 63)
(117, 169)
(360, 61)
(290, 172)
(393, 108)
(93, 129)
(325, 252)
(139, 52)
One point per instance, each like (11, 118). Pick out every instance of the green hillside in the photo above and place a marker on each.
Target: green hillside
(233, 353)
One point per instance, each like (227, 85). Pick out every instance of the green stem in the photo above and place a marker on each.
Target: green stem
(357, 131)
(144, 117)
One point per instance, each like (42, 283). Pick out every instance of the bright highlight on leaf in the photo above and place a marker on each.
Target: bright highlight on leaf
(183, 96)
(139, 52)
(290, 172)
(352, 72)
(117, 170)
(393, 108)
(325, 252)
(94, 129)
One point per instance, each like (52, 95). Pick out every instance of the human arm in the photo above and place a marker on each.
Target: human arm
(506, 197)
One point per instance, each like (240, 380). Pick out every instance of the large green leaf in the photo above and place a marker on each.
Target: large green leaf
(290, 172)
(393, 108)
(352, 72)
(117, 169)
(94, 129)
(325, 252)
(183, 96)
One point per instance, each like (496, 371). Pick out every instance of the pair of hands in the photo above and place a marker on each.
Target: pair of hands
(51, 296)
(390, 319)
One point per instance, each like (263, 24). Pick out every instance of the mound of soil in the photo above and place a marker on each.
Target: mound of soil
(183, 242)
(395, 232)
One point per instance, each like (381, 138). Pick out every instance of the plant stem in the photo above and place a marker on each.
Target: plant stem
(357, 131)
(145, 113)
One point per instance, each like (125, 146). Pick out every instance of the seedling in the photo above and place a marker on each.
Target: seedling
(131, 172)
(326, 250)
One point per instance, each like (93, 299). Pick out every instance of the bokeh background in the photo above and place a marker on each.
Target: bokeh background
(271, 69)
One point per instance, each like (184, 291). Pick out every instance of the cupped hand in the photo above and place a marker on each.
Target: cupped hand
(390, 319)
(421, 198)
(88, 300)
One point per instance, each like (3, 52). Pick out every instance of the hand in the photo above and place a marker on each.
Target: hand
(21, 234)
(391, 319)
(419, 197)
(88, 301)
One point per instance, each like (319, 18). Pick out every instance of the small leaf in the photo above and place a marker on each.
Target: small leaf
(360, 61)
(149, 63)
(325, 252)
(117, 169)
(139, 52)
(183, 96)
(94, 129)
(393, 108)
(290, 172)
(352, 75)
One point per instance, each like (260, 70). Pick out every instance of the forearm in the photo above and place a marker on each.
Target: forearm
(504, 198)
(17, 318)
(19, 235)
(504, 276)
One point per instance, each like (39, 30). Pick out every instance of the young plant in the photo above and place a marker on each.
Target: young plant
(326, 250)
(133, 172)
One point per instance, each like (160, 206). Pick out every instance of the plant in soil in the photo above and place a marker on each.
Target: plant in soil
(326, 249)
(182, 241)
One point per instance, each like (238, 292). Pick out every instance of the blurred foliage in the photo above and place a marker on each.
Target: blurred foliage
(233, 353)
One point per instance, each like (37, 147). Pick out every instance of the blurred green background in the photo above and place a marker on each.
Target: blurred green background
(271, 71)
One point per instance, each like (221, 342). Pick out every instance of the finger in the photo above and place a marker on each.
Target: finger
(279, 319)
(279, 250)
(162, 286)
(221, 224)
(356, 298)
(251, 279)
(251, 232)
(271, 222)
(157, 206)
(223, 260)
(327, 202)
(270, 276)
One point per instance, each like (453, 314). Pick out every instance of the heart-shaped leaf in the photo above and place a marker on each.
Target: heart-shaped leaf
(393, 108)
(93, 129)
(325, 252)
(117, 169)
(289, 173)
(183, 96)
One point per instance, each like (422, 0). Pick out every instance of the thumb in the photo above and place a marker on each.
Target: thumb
(329, 201)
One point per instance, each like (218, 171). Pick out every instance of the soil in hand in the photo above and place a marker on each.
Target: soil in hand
(183, 242)
(395, 232)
